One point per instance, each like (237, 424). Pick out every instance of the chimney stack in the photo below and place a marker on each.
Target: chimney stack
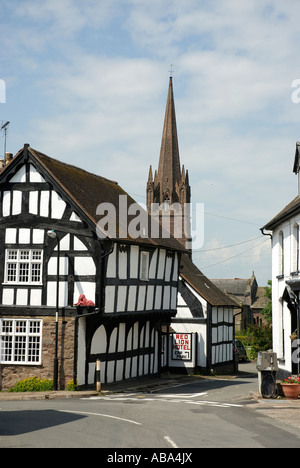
(8, 158)
(296, 168)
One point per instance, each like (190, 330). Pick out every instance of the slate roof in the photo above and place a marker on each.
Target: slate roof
(236, 286)
(201, 284)
(244, 291)
(87, 191)
(291, 209)
(260, 300)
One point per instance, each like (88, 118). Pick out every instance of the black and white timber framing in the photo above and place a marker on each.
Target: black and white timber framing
(132, 283)
(207, 313)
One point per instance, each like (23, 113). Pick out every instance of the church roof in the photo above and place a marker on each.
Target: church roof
(235, 286)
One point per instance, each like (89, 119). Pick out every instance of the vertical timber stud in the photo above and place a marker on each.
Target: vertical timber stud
(98, 380)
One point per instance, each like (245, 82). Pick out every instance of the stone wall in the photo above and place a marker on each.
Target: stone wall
(10, 374)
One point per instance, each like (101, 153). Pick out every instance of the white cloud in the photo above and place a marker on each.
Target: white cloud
(67, 16)
(89, 84)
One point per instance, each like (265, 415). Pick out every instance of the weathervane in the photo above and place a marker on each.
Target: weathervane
(171, 70)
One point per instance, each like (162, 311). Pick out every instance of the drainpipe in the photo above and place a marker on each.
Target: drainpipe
(266, 233)
(101, 291)
(235, 364)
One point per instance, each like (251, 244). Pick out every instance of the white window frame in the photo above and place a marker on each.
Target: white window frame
(21, 341)
(14, 266)
(281, 254)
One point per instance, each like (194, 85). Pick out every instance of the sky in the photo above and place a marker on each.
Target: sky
(86, 82)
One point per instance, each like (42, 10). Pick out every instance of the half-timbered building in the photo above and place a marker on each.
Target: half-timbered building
(76, 286)
(206, 315)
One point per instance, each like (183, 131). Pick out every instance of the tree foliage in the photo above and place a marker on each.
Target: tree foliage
(267, 311)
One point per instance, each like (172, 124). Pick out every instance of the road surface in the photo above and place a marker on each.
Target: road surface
(202, 413)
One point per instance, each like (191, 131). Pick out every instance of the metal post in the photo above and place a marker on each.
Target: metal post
(98, 378)
(168, 347)
(195, 339)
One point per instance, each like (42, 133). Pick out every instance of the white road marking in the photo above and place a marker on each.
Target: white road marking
(214, 403)
(133, 399)
(92, 398)
(168, 399)
(180, 385)
(102, 415)
(181, 395)
(170, 441)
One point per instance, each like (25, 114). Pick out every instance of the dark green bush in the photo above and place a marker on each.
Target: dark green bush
(262, 338)
(257, 338)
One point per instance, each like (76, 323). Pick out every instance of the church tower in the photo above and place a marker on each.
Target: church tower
(169, 189)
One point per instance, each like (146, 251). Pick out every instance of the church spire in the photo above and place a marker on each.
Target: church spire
(169, 163)
(171, 183)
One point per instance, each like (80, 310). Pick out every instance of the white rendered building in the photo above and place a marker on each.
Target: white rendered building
(284, 232)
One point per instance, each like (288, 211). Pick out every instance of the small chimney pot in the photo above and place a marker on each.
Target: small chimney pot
(8, 158)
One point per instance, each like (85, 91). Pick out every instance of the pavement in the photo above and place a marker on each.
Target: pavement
(155, 383)
(137, 385)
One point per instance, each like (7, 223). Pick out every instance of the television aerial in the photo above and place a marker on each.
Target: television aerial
(4, 130)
